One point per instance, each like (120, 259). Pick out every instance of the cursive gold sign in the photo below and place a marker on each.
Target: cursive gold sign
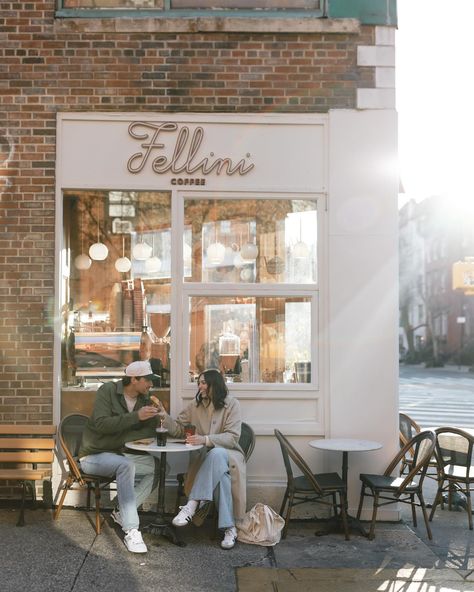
(185, 158)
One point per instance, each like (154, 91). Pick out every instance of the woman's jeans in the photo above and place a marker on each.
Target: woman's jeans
(135, 477)
(214, 473)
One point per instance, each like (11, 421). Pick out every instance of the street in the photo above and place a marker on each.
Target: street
(437, 396)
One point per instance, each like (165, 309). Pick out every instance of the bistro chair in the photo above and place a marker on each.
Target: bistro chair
(409, 428)
(246, 442)
(455, 473)
(70, 436)
(309, 487)
(385, 489)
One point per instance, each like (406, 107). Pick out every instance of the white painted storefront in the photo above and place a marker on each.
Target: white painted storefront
(346, 162)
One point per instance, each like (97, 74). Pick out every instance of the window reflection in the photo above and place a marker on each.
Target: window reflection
(252, 339)
(253, 241)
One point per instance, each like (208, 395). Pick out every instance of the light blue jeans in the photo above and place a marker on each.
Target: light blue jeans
(212, 478)
(135, 477)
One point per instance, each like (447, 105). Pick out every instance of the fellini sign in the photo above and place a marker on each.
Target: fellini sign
(231, 152)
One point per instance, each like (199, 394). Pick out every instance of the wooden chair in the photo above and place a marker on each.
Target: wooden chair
(407, 429)
(401, 489)
(70, 436)
(310, 487)
(246, 442)
(454, 455)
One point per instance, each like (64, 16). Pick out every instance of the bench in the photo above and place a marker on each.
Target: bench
(22, 449)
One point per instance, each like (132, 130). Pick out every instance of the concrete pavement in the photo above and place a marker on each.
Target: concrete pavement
(66, 556)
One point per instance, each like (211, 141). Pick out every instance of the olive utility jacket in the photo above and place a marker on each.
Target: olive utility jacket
(111, 424)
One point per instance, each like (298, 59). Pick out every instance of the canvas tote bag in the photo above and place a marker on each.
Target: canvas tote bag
(260, 526)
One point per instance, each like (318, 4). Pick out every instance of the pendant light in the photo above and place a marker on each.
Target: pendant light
(249, 251)
(142, 250)
(98, 251)
(153, 263)
(215, 251)
(82, 261)
(301, 249)
(123, 264)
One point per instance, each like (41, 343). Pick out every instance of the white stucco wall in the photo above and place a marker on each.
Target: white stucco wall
(363, 289)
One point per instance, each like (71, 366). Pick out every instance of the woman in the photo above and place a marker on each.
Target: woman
(220, 463)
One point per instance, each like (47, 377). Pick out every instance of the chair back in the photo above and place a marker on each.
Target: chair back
(289, 454)
(454, 449)
(423, 446)
(70, 437)
(408, 428)
(247, 440)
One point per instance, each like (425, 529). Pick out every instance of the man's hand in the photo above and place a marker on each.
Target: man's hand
(147, 412)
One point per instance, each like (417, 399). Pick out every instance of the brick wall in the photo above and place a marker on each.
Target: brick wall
(49, 66)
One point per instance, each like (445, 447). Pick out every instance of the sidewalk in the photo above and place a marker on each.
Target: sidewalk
(67, 557)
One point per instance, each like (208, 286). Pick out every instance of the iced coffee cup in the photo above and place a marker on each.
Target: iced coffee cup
(189, 429)
(161, 436)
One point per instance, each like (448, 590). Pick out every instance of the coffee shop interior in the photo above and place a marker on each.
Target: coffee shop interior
(118, 296)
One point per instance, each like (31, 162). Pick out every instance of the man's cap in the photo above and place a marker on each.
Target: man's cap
(140, 369)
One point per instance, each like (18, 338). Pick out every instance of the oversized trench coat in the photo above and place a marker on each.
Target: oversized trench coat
(222, 426)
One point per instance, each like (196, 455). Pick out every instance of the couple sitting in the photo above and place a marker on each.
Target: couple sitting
(123, 412)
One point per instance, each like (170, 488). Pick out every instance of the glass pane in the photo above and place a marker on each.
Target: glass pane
(115, 283)
(248, 4)
(252, 240)
(251, 339)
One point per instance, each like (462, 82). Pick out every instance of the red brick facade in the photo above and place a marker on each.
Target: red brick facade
(84, 65)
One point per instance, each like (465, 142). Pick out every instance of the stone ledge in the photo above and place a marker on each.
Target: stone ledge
(206, 25)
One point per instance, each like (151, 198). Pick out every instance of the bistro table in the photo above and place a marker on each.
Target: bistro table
(346, 445)
(160, 526)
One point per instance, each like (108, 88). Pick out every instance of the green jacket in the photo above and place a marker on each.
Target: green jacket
(111, 424)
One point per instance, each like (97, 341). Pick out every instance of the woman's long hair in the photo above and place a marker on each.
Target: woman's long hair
(216, 388)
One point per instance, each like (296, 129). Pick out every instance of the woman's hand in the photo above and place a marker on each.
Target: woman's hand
(195, 439)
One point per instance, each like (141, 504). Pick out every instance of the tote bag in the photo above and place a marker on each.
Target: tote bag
(260, 526)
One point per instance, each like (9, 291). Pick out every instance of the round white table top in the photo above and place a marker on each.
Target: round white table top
(345, 444)
(149, 445)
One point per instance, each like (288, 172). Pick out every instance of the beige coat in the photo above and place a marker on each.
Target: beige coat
(222, 426)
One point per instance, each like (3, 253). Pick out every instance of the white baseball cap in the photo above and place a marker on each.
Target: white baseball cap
(140, 369)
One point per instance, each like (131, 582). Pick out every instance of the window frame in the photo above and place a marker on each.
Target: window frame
(183, 291)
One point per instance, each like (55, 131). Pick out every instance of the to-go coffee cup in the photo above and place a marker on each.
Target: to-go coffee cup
(161, 436)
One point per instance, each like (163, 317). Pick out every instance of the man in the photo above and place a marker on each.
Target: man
(122, 412)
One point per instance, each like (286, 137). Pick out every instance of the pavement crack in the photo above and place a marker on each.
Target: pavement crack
(82, 564)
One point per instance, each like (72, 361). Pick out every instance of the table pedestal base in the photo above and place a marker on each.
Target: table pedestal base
(159, 527)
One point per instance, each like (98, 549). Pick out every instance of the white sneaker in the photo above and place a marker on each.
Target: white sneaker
(115, 515)
(134, 542)
(184, 516)
(230, 536)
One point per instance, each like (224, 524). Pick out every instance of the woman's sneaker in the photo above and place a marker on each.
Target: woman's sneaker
(230, 536)
(134, 542)
(184, 516)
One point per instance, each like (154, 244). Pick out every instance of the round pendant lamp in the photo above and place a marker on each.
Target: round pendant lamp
(142, 251)
(82, 261)
(123, 264)
(98, 251)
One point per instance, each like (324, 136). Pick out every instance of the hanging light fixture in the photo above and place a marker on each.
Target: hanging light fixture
(142, 250)
(300, 249)
(153, 263)
(123, 264)
(82, 261)
(98, 251)
(249, 251)
(215, 251)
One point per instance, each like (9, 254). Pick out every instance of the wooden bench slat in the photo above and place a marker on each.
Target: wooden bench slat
(21, 474)
(25, 456)
(27, 443)
(23, 429)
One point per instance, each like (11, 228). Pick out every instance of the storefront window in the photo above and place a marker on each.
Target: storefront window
(252, 240)
(252, 339)
(116, 269)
